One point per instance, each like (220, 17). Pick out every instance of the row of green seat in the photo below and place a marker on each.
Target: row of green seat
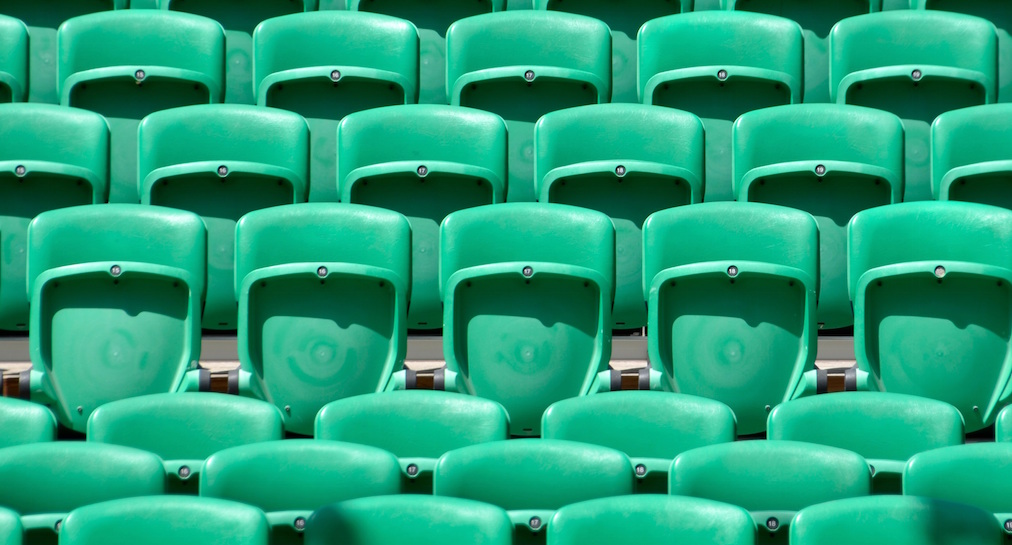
(627, 161)
(419, 426)
(522, 65)
(435, 520)
(531, 479)
(432, 20)
(527, 290)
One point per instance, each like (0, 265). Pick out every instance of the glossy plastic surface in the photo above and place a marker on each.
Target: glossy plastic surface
(971, 159)
(24, 422)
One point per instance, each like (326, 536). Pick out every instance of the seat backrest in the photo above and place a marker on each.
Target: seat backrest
(222, 161)
(794, 139)
(977, 474)
(10, 528)
(13, 60)
(527, 291)
(290, 479)
(417, 519)
(628, 161)
(651, 520)
(185, 428)
(531, 479)
(50, 157)
(507, 45)
(243, 139)
(424, 161)
(25, 422)
(771, 479)
(887, 429)
(970, 156)
(891, 45)
(112, 45)
(829, 160)
(157, 521)
(417, 426)
(116, 292)
(899, 520)
(292, 263)
(712, 44)
(717, 277)
(357, 45)
(930, 285)
(650, 427)
(818, 19)
(45, 481)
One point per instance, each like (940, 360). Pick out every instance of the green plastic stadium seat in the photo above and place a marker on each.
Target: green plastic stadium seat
(323, 293)
(829, 160)
(971, 159)
(895, 520)
(10, 528)
(290, 479)
(183, 429)
(628, 161)
(728, 63)
(45, 481)
(127, 64)
(423, 161)
(816, 20)
(325, 65)
(996, 11)
(624, 19)
(522, 65)
(527, 290)
(917, 65)
(887, 429)
(932, 287)
(50, 157)
(409, 520)
(23, 422)
(432, 18)
(13, 60)
(731, 291)
(1003, 426)
(651, 520)
(977, 474)
(532, 478)
(222, 161)
(167, 520)
(650, 427)
(116, 291)
(771, 479)
(417, 426)
(239, 18)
